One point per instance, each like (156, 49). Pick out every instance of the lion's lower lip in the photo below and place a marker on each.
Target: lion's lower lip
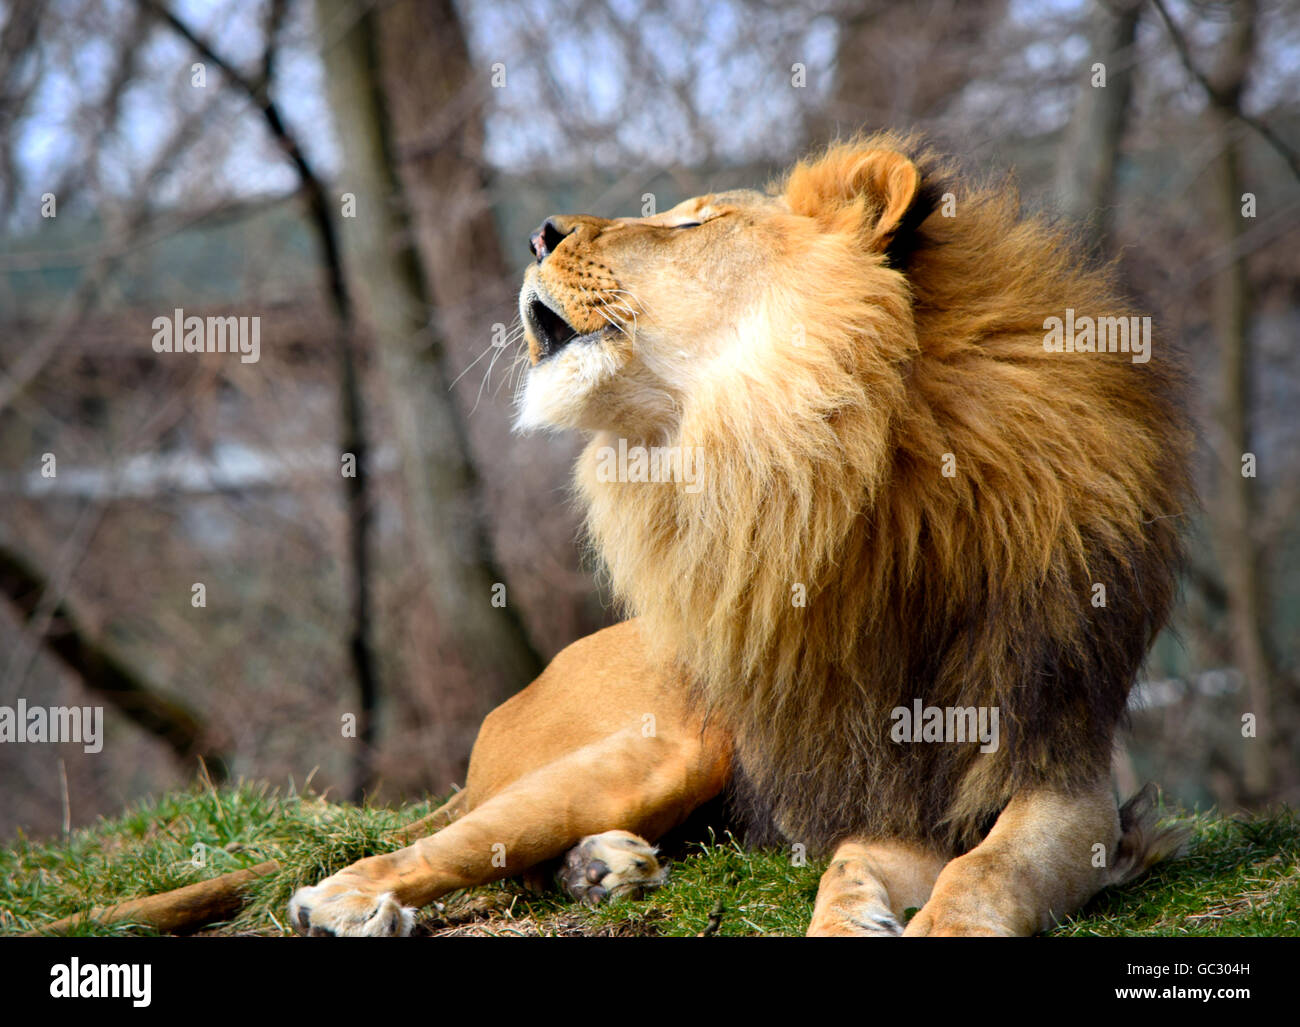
(577, 340)
(552, 331)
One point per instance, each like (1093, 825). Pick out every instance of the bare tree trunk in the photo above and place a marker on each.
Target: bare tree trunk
(381, 66)
(1235, 512)
(1085, 170)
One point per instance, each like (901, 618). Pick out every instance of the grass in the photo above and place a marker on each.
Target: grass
(1238, 876)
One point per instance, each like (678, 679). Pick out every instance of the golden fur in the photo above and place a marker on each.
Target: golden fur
(823, 455)
(832, 347)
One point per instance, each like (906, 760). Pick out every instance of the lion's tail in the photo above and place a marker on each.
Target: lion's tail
(1143, 841)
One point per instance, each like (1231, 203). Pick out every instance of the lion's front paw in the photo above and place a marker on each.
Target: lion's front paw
(342, 907)
(611, 865)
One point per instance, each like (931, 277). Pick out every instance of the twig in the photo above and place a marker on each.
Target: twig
(715, 921)
(207, 780)
(67, 802)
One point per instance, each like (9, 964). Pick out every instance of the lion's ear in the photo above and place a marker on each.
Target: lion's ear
(865, 191)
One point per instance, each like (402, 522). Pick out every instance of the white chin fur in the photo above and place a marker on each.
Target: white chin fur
(556, 389)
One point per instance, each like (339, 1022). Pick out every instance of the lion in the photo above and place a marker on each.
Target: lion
(882, 492)
(892, 560)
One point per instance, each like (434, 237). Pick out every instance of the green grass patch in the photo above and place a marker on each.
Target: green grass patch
(186, 837)
(1238, 875)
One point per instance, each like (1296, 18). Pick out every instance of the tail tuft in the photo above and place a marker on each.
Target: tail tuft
(1143, 842)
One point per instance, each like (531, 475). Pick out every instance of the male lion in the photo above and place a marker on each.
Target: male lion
(888, 496)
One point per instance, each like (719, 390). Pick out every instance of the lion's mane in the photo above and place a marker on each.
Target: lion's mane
(823, 461)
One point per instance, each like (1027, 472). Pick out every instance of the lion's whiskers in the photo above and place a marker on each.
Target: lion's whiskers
(513, 337)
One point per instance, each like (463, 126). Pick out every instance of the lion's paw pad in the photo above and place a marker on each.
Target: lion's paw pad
(337, 909)
(611, 865)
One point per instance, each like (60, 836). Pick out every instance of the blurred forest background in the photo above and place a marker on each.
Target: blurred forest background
(363, 176)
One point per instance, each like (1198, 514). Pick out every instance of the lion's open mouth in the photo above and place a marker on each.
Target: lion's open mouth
(552, 332)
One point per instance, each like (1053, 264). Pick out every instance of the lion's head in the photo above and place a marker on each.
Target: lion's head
(902, 494)
(628, 319)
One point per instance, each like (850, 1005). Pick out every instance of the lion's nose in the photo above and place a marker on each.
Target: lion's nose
(546, 238)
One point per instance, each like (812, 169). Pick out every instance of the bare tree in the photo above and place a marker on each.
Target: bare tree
(1236, 510)
(354, 441)
(1086, 161)
(882, 48)
(438, 200)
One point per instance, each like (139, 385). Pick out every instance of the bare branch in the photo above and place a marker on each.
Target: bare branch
(1228, 101)
(102, 671)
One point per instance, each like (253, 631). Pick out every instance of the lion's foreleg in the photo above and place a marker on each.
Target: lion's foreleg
(1047, 854)
(627, 781)
(869, 885)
